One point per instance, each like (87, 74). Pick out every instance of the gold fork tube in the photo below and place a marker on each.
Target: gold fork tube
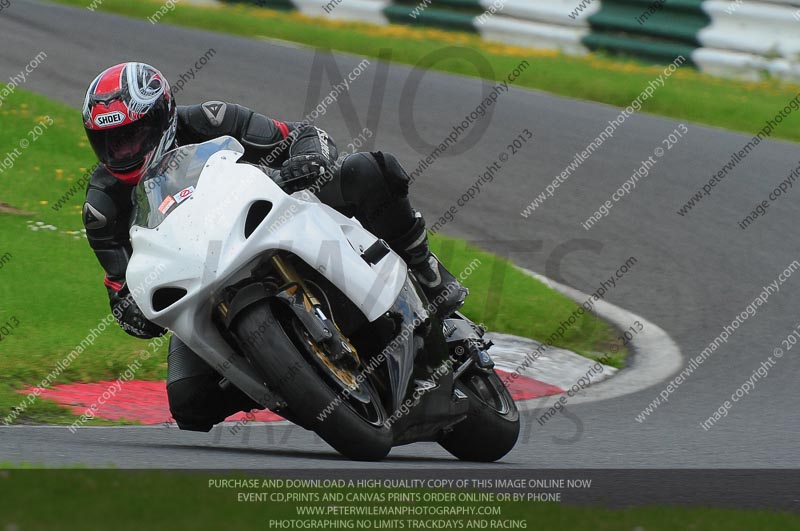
(290, 275)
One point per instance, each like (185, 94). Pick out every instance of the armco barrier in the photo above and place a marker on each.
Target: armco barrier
(748, 39)
(647, 28)
(732, 38)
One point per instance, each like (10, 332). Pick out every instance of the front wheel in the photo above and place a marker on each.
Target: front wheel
(312, 385)
(491, 428)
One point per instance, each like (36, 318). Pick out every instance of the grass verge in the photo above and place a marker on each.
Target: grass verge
(687, 95)
(51, 291)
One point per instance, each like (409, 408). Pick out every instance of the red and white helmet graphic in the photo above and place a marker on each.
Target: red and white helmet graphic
(130, 118)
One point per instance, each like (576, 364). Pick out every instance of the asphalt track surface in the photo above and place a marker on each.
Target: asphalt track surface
(693, 276)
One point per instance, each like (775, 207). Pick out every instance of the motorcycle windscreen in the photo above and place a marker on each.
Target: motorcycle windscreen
(173, 179)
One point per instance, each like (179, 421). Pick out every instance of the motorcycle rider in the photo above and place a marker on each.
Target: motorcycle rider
(131, 119)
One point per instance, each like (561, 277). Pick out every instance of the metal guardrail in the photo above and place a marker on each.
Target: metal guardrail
(735, 38)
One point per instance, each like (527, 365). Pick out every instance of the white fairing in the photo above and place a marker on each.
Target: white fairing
(201, 247)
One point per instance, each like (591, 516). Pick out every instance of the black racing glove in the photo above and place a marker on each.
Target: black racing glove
(131, 318)
(302, 171)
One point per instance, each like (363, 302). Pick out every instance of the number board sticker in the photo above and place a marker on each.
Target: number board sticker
(166, 204)
(184, 194)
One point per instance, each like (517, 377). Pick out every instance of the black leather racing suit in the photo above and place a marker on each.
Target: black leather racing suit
(373, 187)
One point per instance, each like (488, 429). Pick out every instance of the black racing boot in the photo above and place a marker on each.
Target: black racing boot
(445, 293)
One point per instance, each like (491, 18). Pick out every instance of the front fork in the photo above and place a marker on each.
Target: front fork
(308, 309)
(291, 290)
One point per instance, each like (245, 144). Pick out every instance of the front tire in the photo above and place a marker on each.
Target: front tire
(290, 370)
(491, 428)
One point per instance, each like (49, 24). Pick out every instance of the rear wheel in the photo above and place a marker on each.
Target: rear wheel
(313, 385)
(491, 428)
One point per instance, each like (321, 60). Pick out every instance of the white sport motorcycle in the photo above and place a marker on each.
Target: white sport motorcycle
(308, 313)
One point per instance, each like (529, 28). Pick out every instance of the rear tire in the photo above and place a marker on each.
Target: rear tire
(491, 428)
(306, 390)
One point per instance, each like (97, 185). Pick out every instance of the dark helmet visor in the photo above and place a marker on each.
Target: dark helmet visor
(125, 148)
